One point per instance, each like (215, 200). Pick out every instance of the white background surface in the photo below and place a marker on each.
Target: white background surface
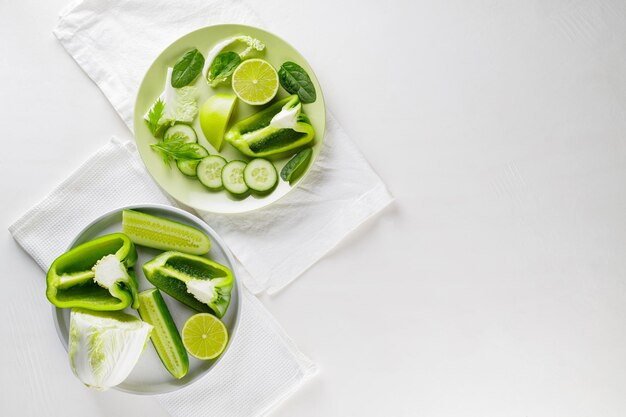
(494, 286)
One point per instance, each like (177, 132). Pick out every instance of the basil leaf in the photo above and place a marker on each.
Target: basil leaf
(222, 67)
(187, 68)
(295, 80)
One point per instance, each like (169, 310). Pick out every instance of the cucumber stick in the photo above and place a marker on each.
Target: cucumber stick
(159, 233)
(165, 337)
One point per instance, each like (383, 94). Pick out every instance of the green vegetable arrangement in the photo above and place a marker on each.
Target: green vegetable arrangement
(96, 280)
(279, 131)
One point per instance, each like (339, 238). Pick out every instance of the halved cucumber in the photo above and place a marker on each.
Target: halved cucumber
(232, 177)
(156, 232)
(181, 130)
(209, 171)
(189, 166)
(260, 175)
(165, 337)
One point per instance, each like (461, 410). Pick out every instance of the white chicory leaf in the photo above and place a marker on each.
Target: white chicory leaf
(104, 347)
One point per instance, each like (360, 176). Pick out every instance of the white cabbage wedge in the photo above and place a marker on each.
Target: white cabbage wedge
(105, 346)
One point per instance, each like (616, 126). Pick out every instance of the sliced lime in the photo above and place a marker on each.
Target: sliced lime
(255, 81)
(204, 336)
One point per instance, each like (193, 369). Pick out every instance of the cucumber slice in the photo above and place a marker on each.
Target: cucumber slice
(296, 165)
(189, 166)
(209, 171)
(181, 130)
(165, 337)
(232, 177)
(158, 233)
(260, 175)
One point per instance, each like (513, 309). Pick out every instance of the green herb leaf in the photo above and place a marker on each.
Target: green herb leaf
(222, 67)
(296, 165)
(154, 116)
(295, 80)
(187, 68)
(176, 148)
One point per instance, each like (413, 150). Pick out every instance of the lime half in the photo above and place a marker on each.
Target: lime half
(255, 81)
(204, 336)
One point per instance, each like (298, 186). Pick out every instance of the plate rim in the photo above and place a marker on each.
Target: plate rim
(229, 257)
(321, 137)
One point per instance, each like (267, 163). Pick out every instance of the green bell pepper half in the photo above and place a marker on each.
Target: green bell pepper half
(71, 277)
(195, 281)
(256, 137)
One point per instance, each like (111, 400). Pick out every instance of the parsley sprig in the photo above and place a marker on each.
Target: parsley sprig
(176, 148)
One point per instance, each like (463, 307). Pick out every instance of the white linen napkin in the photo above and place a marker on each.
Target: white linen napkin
(261, 368)
(115, 41)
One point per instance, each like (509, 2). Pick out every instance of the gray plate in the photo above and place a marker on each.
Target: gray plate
(149, 375)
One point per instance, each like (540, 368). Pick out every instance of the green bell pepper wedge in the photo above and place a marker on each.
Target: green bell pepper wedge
(195, 281)
(71, 279)
(265, 133)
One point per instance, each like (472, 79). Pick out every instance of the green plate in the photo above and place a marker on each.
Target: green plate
(187, 190)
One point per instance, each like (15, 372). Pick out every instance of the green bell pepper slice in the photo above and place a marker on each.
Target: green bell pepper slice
(273, 131)
(94, 275)
(195, 281)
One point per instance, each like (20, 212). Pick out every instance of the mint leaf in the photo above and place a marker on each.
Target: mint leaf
(295, 80)
(187, 68)
(222, 67)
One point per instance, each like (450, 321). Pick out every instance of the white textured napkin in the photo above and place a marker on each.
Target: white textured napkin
(261, 368)
(115, 41)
